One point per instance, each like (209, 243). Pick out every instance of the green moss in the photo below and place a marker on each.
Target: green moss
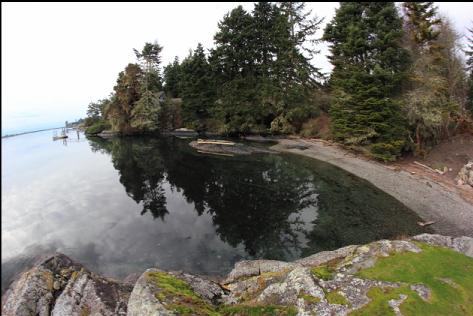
(431, 267)
(322, 272)
(309, 298)
(335, 297)
(245, 310)
(379, 300)
(178, 296)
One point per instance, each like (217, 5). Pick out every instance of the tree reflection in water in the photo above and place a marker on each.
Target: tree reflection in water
(276, 207)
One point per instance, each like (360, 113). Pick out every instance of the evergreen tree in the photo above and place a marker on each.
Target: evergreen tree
(265, 77)
(469, 68)
(234, 63)
(436, 87)
(172, 78)
(150, 59)
(198, 93)
(302, 28)
(421, 22)
(144, 116)
(369, 66)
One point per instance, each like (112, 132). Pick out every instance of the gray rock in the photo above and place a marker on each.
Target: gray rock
(394, 304)
(249, 268)
(149, 298)
(143, 301)
(208, 290)
(87, 293)
(58, 286)
(462, 244)
(422, 290)
(297, 282)
(326, 256)
(465, 176)
(31, 294)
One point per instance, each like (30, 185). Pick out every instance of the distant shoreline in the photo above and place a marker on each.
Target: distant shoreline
(40, 130)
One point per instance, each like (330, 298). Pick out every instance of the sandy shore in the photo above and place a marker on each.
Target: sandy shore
(430, 200)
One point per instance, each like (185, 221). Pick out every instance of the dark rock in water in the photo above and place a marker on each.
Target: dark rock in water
(297, 146)
(182, 132)
(59, 286)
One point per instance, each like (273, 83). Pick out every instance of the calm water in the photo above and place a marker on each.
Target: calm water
(121, 206)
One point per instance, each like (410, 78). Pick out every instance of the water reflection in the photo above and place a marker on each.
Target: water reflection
(255, 202)
(278, 207)
(133, 203)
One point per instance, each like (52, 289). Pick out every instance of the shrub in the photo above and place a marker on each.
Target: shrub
(97, 127)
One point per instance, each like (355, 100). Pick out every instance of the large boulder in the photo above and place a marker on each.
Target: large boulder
(59, 286)
(173, 293)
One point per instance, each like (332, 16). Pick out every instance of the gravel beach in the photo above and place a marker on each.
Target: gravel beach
(431, 201)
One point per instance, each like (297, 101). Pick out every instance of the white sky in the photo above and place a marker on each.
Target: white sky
(58, 57)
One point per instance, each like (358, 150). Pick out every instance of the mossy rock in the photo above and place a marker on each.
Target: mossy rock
(177, 295)
(446, 273)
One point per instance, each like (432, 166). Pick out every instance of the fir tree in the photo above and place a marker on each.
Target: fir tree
(369, 66)
(172, 78)
(198, 93)
(421, 22)
(469, 68)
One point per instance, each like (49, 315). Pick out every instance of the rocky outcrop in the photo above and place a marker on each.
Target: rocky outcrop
(59, 286)
(461, 244)
(326, 283)
(465, 176)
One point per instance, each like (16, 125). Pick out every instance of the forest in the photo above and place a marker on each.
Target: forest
(401, 80)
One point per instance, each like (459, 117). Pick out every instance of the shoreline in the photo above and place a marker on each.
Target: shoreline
(432, 201)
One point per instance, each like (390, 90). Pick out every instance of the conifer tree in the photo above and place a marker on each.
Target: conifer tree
(369, 66)
(435, 96)
(469, 68)
(172, 78)
(198, 93)
(421, 22)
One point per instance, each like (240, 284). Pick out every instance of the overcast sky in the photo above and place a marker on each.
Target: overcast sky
(58, 57)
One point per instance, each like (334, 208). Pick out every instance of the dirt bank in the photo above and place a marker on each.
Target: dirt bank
(430, 199)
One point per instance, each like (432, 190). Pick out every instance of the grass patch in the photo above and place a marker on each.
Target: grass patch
(447, 273)
(175, 294)
(269, 310)
(335, 297)
(322, 272)
(309, 298)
